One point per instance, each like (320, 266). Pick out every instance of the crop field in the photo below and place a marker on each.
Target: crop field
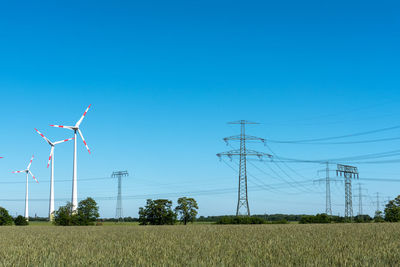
(202, 245)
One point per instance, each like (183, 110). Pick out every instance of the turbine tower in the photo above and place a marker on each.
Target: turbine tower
(74, 172)
(51, 158)
(27, 171)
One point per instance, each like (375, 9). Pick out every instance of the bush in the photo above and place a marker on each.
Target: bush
(240, 220)
(21, 221)
(319, 218)
(5, 218)
(283, 221)
(362, 219)
(378, 217)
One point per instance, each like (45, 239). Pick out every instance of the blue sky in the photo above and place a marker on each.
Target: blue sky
(163, 79)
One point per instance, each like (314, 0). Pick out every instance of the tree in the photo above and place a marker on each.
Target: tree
(392, 210)
(378, 217)
(88, 212)
(64, 217)
(187, 209)
(157, 212)
(5, 218)
(21, 221)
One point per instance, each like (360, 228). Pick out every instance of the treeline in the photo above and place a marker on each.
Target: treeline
(265, 217)
(246, 220)
(324, 218)
(124, 219)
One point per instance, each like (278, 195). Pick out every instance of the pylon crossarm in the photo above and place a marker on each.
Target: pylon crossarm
(247, 152)
(247, 137)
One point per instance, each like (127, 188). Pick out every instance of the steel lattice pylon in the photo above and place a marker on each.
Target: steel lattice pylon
(328, 208)
(119, 212)
(243, 200)
(348, 172)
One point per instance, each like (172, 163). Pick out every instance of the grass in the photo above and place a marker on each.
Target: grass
(202, 245)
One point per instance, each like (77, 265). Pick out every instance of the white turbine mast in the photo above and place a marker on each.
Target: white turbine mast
(51, 158)
(27, 171)
(74, 173)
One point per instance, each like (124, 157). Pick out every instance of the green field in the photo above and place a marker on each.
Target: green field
(205, 245)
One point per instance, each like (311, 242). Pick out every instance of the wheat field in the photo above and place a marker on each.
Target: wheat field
(202, 245)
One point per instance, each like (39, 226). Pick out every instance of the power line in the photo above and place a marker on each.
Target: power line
(287, 166)
(172, 194)
(335, 137)
(349, 142)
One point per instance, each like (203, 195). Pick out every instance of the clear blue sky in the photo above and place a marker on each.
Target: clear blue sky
(163, 79)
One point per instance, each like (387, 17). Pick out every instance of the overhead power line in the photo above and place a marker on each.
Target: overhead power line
(334, 137)
(172, 194)
(348, 142)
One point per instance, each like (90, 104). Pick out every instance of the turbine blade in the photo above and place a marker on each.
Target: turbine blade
(61, 126)
(44, 137)
(51, 155)
(18, 171)
(30, 163)
(83, 116)
(62, 141)
(83, 139)
(33, 176)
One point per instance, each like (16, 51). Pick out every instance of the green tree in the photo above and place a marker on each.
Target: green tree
(21, 221)
(378, 217)
(5, 218)
(187, 209)
(392, 210)
(157, 212)
(88, 212)
(64, 217)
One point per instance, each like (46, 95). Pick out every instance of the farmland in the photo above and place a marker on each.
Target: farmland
(293, 244)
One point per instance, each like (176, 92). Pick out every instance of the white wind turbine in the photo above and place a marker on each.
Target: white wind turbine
(51, 158)
(74, 175)
(27, 171)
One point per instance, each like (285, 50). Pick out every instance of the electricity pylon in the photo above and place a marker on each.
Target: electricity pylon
(328, 208)
(360, 199)
(377, 202)
(243, 201)
(327, 180)
(348, 172)
(119, 174)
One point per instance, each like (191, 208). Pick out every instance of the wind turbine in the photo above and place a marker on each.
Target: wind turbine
(27, 171)
(51, 158)
(74, 175)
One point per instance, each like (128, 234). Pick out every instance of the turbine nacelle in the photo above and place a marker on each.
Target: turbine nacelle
(76, 128)
(52, 144)
(28, 171)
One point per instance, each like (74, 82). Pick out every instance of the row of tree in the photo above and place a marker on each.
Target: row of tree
(159, 211)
